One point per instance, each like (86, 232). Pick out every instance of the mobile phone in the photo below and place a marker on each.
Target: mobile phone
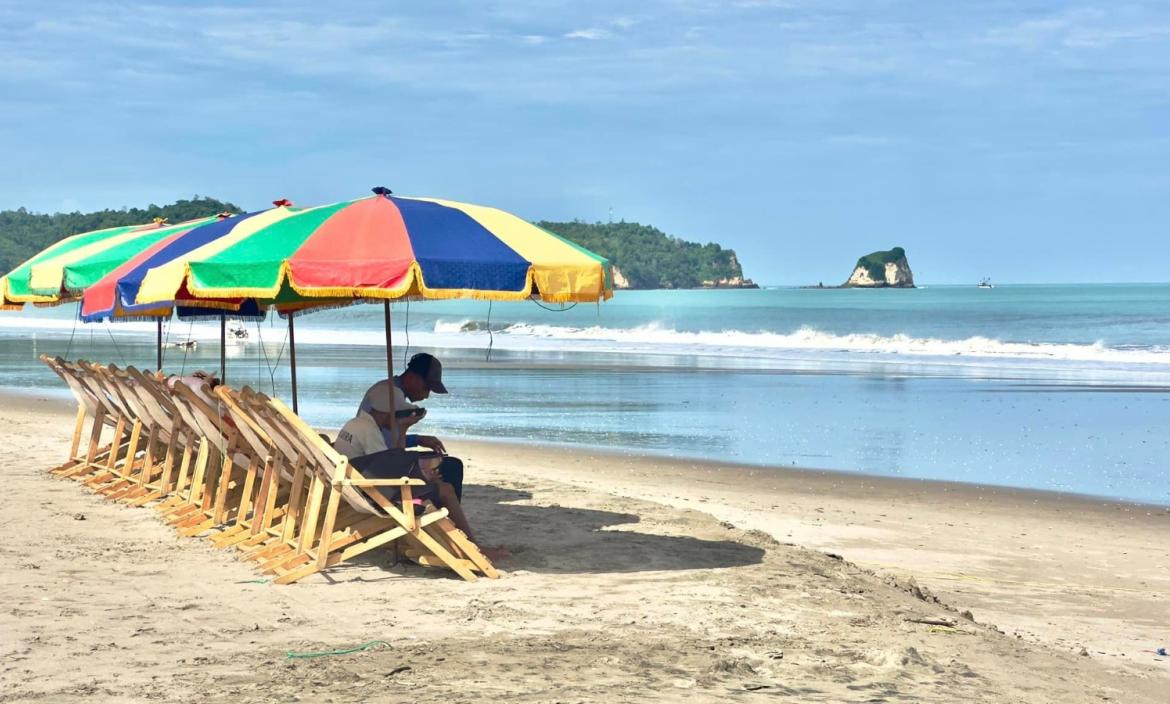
(408, 412)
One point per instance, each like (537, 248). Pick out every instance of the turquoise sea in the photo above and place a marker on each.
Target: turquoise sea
(1051, 387)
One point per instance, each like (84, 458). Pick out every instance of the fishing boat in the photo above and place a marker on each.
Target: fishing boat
(985, 283)
(236, 330)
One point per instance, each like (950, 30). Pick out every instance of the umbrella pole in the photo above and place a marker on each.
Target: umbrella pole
(158, 347)
(292, 346)
(223, 348)
(390, 366)
(389, 342)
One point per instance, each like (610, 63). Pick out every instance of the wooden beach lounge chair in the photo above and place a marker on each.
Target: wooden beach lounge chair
(89, 410)
(267, 516)
(158, 403)
(340, 513)
(202, 439)
(118, 460)
(134, 389)
(207, 497)
(129, 477)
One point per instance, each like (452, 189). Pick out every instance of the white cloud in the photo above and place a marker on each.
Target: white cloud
(1079, 28)
(591, 34)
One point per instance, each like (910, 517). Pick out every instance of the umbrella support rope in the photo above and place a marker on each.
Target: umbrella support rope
(116, 348)
(187, 349)
(158, 345)
(69, 347)
(406, 331)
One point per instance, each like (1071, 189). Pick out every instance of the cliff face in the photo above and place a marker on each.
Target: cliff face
(734, 281)
(886, 269)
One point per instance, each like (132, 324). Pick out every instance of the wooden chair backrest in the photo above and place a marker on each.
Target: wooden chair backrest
(123, 393)
(204, 418)
(253, 405)
(113, 403)
(256, 435)
(145, 388)
(84, 396)
(323, 456)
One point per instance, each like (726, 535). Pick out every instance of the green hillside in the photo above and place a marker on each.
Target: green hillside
(23, 234)
(649, 258)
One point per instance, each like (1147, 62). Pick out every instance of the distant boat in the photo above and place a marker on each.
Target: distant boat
(236, 330)
(985, 283)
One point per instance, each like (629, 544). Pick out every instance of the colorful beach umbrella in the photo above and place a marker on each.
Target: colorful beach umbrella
(65, 269)
(114, 296)
(381, 247)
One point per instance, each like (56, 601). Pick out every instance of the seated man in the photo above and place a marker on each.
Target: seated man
(423, 376)
(362, 441)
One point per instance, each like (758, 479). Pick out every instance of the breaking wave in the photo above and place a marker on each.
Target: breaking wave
(810, 339)
(655, 338)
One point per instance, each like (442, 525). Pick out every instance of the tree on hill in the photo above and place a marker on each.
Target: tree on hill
(648, 257)
(23, 234)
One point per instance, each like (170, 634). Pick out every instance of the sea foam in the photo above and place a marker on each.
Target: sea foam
(651, 338)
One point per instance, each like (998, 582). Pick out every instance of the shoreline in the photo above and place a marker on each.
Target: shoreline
(37, 398)
(794, 472)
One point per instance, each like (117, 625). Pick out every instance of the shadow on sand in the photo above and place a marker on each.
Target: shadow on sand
(560, 539)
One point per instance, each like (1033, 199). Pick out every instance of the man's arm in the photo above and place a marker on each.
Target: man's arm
(431, 443)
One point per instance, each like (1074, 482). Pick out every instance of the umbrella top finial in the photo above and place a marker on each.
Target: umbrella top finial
(160, 221)
(282, 203)
(381, 190)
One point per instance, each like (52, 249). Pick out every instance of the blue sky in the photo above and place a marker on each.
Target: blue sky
(1025, 140)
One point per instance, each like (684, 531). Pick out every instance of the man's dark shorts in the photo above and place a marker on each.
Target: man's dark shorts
(393, 464)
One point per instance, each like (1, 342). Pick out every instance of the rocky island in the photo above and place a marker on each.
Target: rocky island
(886, 269)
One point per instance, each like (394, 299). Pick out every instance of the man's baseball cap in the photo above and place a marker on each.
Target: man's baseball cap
(430, 369)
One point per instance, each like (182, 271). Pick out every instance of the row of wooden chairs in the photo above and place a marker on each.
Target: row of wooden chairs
(244, 471)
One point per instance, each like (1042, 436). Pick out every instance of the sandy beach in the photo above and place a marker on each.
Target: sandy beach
(632, 579)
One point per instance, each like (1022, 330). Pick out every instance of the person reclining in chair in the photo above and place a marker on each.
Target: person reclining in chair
(362, 440)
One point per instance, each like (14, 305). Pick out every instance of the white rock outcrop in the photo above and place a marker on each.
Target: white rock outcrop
(891, 267)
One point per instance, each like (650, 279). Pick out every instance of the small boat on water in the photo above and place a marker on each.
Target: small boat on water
(236, 330)
(985, 283)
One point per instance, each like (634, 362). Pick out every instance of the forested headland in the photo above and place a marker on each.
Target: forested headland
(646, 257)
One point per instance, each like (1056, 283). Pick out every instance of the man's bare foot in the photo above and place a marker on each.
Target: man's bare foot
(496, 552)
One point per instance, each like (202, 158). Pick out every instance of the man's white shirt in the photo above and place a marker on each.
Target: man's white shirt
(360, 436)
